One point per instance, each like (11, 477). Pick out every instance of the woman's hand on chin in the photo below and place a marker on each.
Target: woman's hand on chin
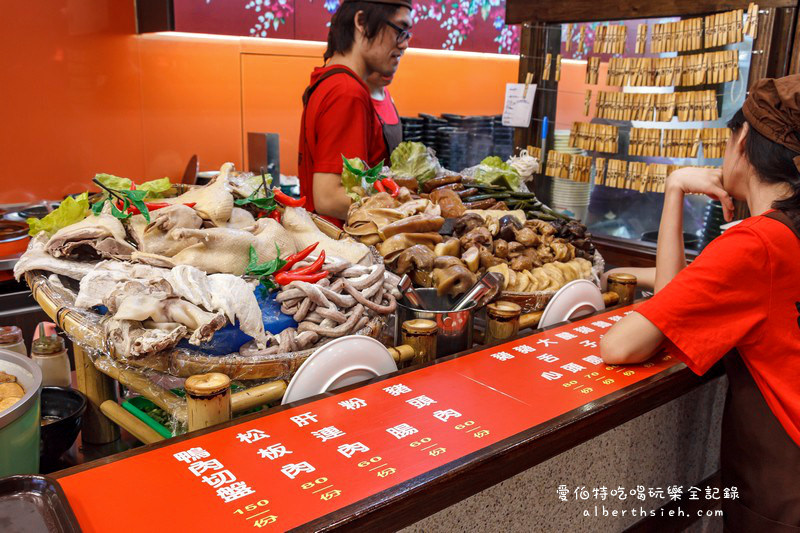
(708, 181)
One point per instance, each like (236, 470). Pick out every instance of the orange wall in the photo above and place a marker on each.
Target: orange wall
(83, 94)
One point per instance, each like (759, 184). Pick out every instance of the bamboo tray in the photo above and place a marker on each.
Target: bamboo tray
(85, 328)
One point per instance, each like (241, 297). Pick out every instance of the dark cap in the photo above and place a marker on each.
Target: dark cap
(403, 3)
(773, 110)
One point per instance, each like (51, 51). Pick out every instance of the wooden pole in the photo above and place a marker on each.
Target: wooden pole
(258, 395)
(402, 353)
(420, 334)
(208, 398)
(96, 428)
(130, 423)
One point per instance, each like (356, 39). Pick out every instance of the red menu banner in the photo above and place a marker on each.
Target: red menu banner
(288, 468)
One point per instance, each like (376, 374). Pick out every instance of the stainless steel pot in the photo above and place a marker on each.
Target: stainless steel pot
(20, 423)
(455, 328)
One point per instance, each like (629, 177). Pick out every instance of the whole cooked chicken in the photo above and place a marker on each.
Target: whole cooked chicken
(214, 201)
(96, 236)
(225, 250)
(153, 237)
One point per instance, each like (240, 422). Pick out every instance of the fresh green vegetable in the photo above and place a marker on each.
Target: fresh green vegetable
(351, 176)
(263, 270)
(70, 211)
(494, 171)
(412, 160)
(121, 212)
(266, 203)
(354, 171)
(153, 188)
(114, 182)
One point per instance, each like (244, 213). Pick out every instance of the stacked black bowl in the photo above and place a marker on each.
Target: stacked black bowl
(481, 144)
(714, 218)
(503, 138)
(430, 129)
(413, 128)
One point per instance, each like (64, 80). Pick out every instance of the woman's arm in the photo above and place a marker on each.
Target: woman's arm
(645, 277)
(330, 199)
(632, 340)
(670, 255)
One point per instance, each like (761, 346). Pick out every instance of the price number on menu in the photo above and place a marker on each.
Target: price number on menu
(312, 484)
(420, 442)
(369, 462)
(252, 507)
(465, 425)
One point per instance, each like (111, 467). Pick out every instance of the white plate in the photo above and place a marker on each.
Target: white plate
(339, 363)
(575, 299)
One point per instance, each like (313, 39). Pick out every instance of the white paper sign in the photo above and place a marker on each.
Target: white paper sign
(518, 106)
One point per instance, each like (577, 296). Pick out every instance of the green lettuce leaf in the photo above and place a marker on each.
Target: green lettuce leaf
(412, 160)
(494, 171)
(114, 182)
(71, 211)
(155, 188)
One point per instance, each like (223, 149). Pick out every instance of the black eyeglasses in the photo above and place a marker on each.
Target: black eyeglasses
(403, 35)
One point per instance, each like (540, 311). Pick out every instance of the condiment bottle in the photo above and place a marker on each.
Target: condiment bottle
(51, 356)
(11, 339)
(420, 334)
(503, 321)
(624, 285)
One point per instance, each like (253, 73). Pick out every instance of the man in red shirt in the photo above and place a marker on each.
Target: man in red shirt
(365, 36)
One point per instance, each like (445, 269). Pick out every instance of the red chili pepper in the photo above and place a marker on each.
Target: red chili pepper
(391, 186)
(154, 206)
(275, 215)
(287, 200)
(379, 186)
(313, 267)
(133, 186)
(285, 278)
(294, 258)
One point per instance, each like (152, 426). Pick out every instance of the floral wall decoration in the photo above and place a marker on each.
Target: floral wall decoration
(464, 25)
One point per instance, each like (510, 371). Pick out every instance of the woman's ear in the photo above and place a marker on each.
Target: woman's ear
(742, 137)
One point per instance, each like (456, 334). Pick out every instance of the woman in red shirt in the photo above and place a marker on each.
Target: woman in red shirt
(742, 294)
(387, 112)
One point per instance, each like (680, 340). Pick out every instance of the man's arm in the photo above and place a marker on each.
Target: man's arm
(330, 198)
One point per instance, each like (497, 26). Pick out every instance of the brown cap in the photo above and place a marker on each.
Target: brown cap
(404, 3)
(773, 110)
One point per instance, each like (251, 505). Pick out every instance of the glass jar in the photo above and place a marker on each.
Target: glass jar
(50, 354)
(11, 339)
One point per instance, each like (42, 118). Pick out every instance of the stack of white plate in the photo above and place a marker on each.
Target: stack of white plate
(561, 142)
(571, 197)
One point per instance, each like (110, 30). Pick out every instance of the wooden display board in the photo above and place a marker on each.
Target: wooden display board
(294, 466)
